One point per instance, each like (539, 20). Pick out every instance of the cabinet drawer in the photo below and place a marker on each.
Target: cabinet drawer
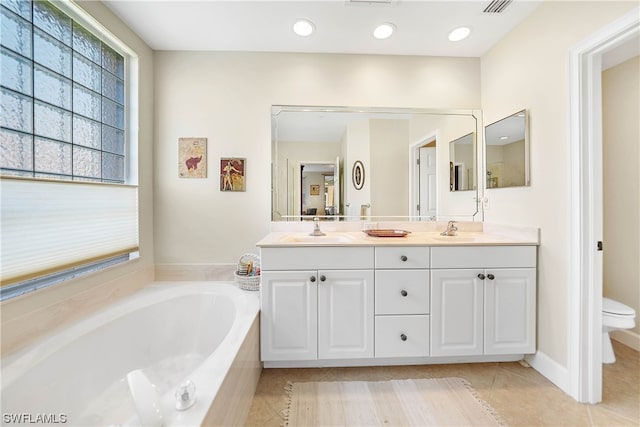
(318, 258)
(402, 336)
(483, 257)
(402, 291)
(402, 257)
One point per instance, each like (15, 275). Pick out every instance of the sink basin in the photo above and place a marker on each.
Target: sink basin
(316, 239)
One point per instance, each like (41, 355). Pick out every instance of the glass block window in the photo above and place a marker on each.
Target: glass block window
(62, 97)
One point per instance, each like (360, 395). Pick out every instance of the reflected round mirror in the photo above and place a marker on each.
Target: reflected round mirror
(507, 152)
(352, 163)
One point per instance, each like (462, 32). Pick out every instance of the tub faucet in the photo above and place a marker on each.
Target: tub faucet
(316, 228)
(451, 229)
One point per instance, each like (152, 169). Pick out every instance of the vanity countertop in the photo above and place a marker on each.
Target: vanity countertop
(415, 238)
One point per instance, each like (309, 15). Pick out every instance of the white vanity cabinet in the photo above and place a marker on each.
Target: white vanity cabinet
(483, 300)
(401, 302)
(317, 303)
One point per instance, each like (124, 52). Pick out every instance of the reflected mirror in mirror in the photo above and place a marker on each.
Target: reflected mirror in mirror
(462, 173)
(314, 150)
(507, 152)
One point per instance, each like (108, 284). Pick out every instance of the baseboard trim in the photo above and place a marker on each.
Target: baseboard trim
(626, 337)
(551, 370)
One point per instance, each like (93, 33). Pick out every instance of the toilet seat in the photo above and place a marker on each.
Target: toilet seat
(616, 308)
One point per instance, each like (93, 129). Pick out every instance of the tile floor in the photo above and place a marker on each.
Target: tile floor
(520, 395)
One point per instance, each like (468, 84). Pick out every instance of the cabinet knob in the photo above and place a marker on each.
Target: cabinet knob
(403, 293)
(490, 276)
(404, 258)
(403, 337)
(323, 278)
(481, 276)
(312, 279)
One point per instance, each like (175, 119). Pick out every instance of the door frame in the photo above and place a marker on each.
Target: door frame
(414, 175)
(585, 143)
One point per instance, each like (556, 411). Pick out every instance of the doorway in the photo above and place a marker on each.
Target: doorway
(585, 328)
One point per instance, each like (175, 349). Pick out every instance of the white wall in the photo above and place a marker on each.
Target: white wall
(27, 317)
(227, 97)
(357, 148)
(528, 69)
(621, 186)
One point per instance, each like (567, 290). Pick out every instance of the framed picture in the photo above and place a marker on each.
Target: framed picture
(192, 157)
(314, 190)
(232, 174)
(357, 175)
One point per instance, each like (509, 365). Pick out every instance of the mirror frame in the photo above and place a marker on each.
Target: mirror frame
(276, 109)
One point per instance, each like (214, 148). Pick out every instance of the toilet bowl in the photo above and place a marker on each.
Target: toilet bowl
(615, 315)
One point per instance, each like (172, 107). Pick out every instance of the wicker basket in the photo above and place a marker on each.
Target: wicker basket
(244, 281)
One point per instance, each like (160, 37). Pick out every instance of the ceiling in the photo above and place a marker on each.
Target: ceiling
(342, 26)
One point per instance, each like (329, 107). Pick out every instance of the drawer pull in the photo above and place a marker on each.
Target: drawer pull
(404, 258)
(490, 276)
(403, 293)
(403, 337)
(481, 276)
(323, 278)
(312, 279)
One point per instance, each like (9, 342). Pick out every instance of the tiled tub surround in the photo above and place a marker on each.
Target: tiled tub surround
(204, 332)
(348, 299)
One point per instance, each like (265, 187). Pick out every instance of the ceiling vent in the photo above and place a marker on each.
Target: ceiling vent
(497, 6)
(369, 2)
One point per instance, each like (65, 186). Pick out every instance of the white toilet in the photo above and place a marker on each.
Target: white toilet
(615, 315)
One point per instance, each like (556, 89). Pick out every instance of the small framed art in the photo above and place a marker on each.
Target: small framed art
(232, 174)
(192, 157)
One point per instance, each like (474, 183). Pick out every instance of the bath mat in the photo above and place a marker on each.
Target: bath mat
(419, 402)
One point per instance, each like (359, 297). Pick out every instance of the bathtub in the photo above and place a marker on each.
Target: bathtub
(166, 334)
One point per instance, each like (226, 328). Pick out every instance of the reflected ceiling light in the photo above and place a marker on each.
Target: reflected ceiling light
(384, 31)
(459, 34)
(504, 137)
(304, 28)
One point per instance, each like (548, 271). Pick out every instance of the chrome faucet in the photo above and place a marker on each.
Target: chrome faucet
(451, 229)
(316, 228)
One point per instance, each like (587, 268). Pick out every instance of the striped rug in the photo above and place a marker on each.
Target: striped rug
(419, 402)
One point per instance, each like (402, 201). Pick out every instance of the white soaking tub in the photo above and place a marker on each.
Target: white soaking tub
(146, 346)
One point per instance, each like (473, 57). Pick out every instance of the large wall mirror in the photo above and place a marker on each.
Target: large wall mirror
(507, 152)
(352, 163)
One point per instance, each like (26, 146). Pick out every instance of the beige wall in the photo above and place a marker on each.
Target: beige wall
(390, 182)
(528, 69)
(37, 313)
(227, 97)
(621, 186)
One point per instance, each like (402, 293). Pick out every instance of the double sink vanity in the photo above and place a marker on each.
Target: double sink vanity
(350, 299)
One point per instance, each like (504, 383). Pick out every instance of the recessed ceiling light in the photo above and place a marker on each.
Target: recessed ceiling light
(459, 34)
(384, 31)
(304, 28)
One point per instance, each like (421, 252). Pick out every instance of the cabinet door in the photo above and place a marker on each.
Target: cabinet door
(345, 314)
(288, 318)
(510, 318)
(456, 312)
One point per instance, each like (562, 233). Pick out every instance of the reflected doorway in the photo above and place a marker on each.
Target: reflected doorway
(425, 184)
